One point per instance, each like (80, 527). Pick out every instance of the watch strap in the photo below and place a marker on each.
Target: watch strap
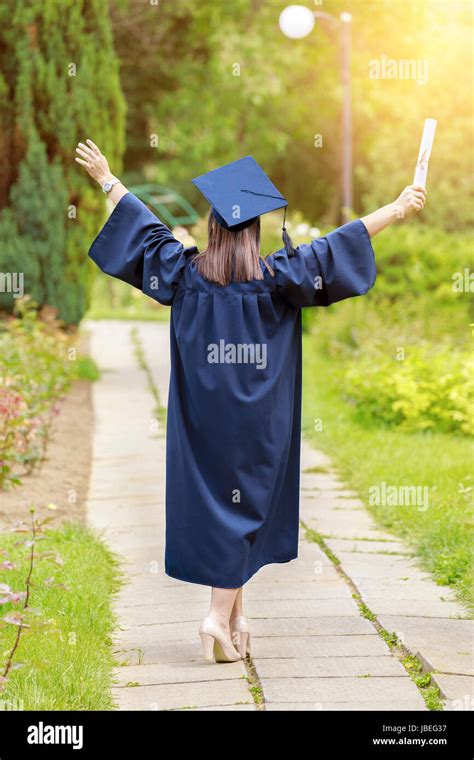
(110, 185)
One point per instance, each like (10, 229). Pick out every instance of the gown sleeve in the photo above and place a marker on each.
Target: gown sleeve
(136, 247)
(329, 269)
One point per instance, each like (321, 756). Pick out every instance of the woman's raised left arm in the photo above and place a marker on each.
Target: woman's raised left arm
(411, 199)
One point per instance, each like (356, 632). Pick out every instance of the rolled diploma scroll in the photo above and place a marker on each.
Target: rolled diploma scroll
(427, 140)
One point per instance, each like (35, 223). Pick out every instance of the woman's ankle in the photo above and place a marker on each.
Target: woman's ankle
(220, 618)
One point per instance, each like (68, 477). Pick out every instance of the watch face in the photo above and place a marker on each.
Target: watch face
(107, 187)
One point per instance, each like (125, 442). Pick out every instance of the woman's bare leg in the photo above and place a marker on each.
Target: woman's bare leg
(215, 630)
(238, 608)
(239, 626)
(222, 603)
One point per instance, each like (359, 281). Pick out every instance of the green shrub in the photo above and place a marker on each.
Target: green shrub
(413, 259)
(37, 364)
(402, 353)
(426, 388)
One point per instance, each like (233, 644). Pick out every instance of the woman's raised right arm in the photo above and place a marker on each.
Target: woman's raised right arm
(97, 166)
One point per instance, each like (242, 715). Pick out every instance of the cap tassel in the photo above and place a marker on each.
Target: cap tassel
(289, 248)
(290, 251)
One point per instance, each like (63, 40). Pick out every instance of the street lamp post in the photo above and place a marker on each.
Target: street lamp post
(296, 22)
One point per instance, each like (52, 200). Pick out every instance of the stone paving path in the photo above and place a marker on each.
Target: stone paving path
(311, 648)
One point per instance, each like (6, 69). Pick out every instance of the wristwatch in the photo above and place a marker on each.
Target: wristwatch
(107, 186)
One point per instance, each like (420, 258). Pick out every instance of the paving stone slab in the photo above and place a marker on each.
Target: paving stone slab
(119, 524)
(296, 572)
(136, 471)
(171, 612)
(321, 481)
(227, 708)
(341, 523)
(182, 695)
(366, 706)
(154, 651)
(179, 672)
(329, 498)
(311, 457)
(323, 588)
(126, 508)
(309, 552)
(457, 705)
(333, 529)
(327, 667)
(357, 690)
(140, 591)
(423, 590)
(301, 608)
(156, 613)
(151, 553)
(460, 688)
(420, 608)
(157, 358)
(359, 566)
(444, 645)
(367, 547)
(130, 544)
(162, 632)
(316, 503)
(318, 646)
(322, 626)
(132, 491)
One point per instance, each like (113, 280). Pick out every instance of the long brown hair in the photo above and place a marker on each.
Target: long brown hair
(231, 256)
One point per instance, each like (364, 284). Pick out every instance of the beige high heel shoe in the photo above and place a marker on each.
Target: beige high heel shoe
(215, 645)
(240, 632)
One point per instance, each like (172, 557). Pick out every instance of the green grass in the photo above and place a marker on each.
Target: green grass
(69, 667)
(85, 368)
(429, 690)
(367, 455)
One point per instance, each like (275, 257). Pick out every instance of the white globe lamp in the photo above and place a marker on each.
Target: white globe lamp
(296, 21)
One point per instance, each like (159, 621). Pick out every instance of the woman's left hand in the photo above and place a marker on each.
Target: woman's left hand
(410, 200)
(94, 162)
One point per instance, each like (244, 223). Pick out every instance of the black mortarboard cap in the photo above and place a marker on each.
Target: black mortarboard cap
(240, 192)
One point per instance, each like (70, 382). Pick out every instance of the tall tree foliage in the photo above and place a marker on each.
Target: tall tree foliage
(59, 83)
(216, 80)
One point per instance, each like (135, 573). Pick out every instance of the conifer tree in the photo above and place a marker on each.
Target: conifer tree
(59, 83)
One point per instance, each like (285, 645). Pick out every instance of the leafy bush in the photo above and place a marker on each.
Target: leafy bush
(401, 353)
(413, 259)
(427, 388)
(35, 371)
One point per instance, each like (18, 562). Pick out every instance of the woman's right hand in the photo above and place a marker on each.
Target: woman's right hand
(95, 164)
(411, 199)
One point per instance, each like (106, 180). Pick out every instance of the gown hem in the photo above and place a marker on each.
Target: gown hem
(231, 586)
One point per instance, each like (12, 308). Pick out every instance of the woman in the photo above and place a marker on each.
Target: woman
(233, 428)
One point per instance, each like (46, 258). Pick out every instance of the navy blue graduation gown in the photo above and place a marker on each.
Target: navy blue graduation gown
(234, 407)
